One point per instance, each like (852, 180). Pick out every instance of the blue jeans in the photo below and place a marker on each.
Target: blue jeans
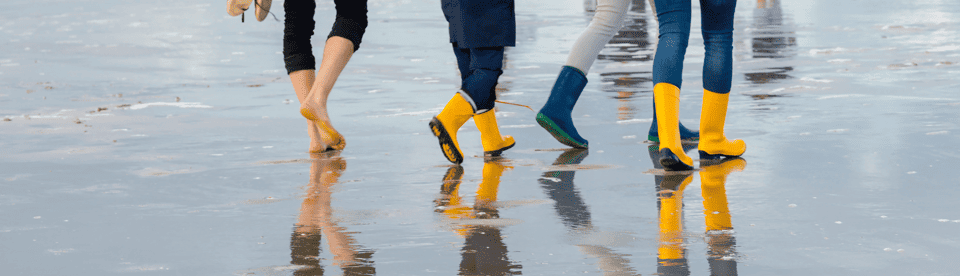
(716, 18)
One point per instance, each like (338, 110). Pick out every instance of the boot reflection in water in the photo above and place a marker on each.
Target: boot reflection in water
(483, 252)
(671, 255)
(720, 240)
(719, 235)
(316, 219)
(566, 199)
(573, 211)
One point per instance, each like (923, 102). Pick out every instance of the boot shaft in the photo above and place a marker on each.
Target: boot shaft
(567, 89)
(713, 116)
(490, 132)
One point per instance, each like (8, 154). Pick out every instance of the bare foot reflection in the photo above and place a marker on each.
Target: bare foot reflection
(483, 252)
(317, 219)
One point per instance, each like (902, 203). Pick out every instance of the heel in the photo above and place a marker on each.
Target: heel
(672, 162)
(450, 150)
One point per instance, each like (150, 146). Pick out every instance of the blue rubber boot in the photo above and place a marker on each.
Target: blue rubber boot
(686, 135)
(555, 115)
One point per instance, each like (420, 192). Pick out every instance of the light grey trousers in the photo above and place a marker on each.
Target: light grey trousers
(606, 22)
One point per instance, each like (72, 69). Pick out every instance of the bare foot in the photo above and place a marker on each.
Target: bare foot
(316, 142)
(322, 140)
(314, 109)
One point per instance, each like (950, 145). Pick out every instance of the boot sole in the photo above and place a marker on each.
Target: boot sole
(656, 139)
(447, 146)
(671, 162)
(495, 153)
(557, 132)
(714, 157)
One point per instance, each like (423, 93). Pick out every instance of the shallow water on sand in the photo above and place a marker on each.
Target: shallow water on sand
(165, 139)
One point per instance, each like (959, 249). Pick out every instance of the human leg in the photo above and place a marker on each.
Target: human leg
(475, 99)
(555, 116)
(336, 54)
(674, 21)
(685, 133)
(342, 42)
(717, 18)
(299, 61)
(463, 61)
(605, 23)
(484, 66)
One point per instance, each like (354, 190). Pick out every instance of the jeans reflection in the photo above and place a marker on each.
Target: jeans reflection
(573, 211)
(483, 252)
(316, 220)
(721, 244)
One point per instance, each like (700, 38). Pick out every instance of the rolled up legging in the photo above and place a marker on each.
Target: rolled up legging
(350, 23)
(298, 27)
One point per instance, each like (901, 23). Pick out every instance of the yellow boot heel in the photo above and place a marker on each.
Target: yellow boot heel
(445, 125)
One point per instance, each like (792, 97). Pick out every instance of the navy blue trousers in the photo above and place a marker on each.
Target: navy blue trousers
(479, 70)
(716, 17)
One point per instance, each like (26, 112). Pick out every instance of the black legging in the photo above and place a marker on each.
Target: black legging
(298, 28)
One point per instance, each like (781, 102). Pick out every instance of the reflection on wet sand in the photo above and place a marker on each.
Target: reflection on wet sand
(771, 38)
(671, 253)
(317, 220)
(483, 252)
(573, 211)
(630, 45)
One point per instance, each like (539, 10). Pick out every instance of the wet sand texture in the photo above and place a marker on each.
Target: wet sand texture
(166, 138)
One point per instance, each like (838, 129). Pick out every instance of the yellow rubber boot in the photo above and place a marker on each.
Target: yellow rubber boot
(713, 179)
(667, 99)
(493, 143)
(670, 248)
(713, 144)
(446, 124)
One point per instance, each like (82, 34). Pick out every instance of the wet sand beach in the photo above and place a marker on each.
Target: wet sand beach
(165, 138)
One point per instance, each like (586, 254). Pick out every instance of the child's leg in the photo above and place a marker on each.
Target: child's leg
(717, 18)
(555, 115)
(606, 22)
(476, 95)
(485, 65)
(463, 61)
(674, 19)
